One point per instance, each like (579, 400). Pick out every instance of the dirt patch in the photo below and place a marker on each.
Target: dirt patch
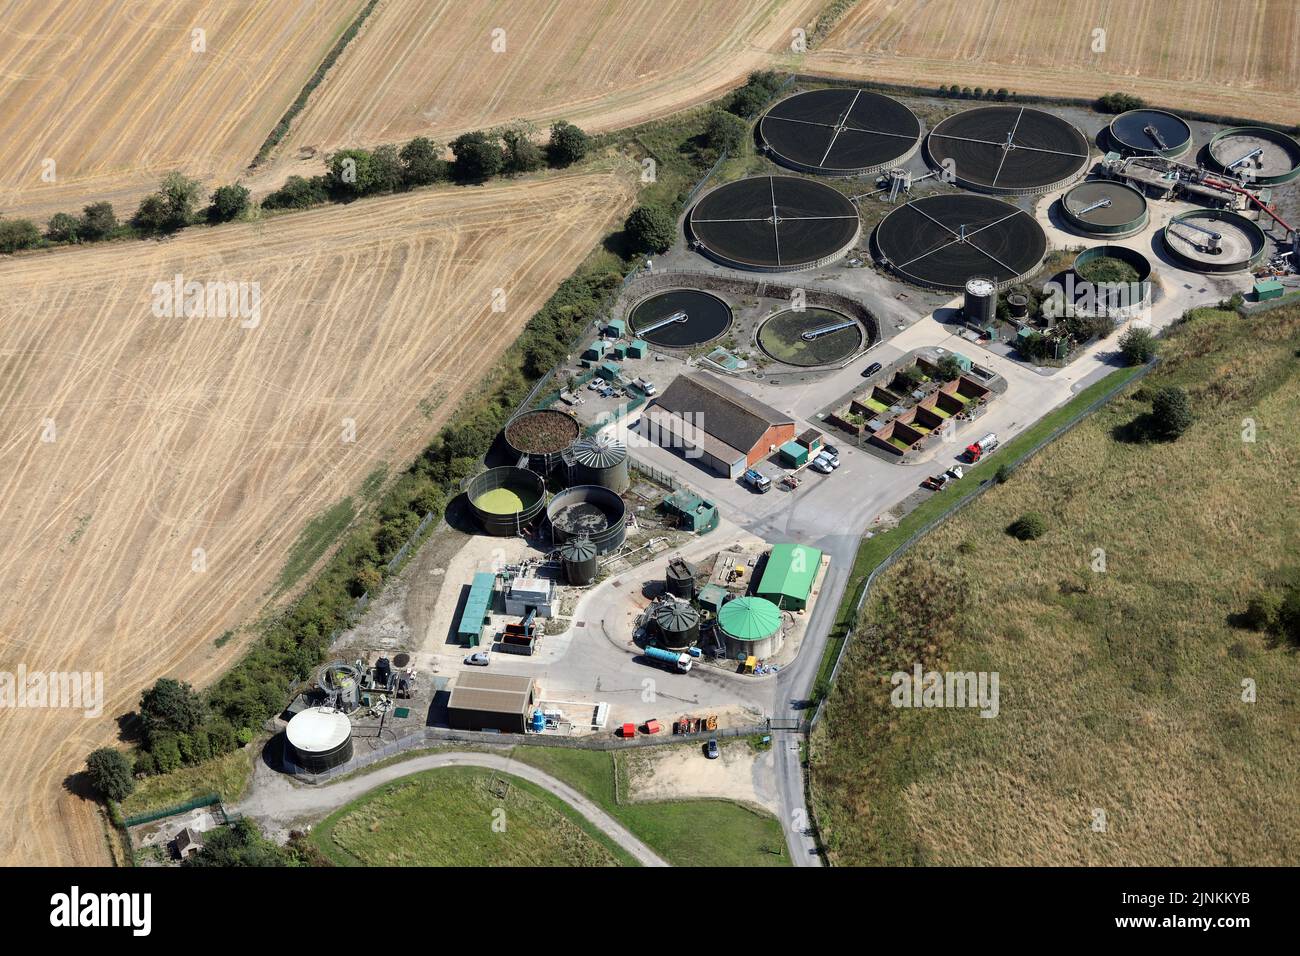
(683, 772)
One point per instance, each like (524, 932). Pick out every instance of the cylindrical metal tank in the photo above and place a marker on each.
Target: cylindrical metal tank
(1115, 299)
(678, 623)
(751, 627)
(981, 301)
(600, 460)
(1018, 303)
(578, 558)
(679, 580)
(340, 683)
(319, 739)
(545, 435)
(506, 500)
(588, 511)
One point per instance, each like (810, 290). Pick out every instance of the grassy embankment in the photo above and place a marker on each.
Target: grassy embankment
(1121, 690)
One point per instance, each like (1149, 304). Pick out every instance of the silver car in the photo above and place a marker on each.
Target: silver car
(478, 659)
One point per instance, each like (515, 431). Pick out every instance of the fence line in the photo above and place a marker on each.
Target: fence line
(429, 737)
(193, 804)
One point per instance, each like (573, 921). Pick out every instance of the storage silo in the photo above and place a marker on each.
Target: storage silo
(751, 627)
(578, 557)
(1018, 303)
(319, 739)
(981, 301)
(677, 622)
(680, 579)
(545, 435)
(506, 500)
(600, 460)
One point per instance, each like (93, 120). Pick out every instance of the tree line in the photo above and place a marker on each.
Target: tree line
(350, 174)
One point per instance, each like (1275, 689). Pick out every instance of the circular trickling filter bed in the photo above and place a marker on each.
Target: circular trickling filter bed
(659, 318)
(541, 432)
(811, 337)
(1008, 149)
(774, 224)
(840, 132)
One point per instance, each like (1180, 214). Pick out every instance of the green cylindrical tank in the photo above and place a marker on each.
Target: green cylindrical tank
(751, 627)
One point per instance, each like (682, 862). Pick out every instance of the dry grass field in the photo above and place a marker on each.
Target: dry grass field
(1236, 58)
(430, 68)
(112, 91)
(176, 434)
(1120, 688)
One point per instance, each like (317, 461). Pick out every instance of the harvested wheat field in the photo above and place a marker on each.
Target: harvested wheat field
(1232, 58)
(430, 68)
(176, 434)
(114, 93)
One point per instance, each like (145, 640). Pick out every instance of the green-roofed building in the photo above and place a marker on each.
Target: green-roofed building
(470, 629)
(788, 578)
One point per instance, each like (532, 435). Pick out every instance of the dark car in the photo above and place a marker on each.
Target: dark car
(871, 369)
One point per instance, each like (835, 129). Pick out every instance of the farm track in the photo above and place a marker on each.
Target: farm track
(173, 434)
(113, 93)
(1194, 55)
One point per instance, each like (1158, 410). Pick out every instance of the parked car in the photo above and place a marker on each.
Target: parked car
(478, 659)
(822, 464)
(711, 748)
(831, 454)
(871, 369)
(757, 480)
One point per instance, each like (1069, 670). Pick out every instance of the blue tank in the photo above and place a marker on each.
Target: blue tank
(539, 721)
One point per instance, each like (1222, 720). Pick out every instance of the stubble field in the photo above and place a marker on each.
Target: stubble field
(116, 95)
(1238, 58)
(176, 434)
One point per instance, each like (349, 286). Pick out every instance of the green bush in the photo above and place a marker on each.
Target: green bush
(1137, 345)
(98, 221)
(421, 163)
(725, 131)
(228, 202)
(478, 156)
(298, 193)
(1171, 413)
(110, 773)
(18, 234)
(63, 227)
(1028, 527)
(568, 144)
(1119, 103)
(650, 229)
(1263, 613)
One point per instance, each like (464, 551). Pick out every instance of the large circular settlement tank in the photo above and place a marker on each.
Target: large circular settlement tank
(588, 511)
(751, 627)
(1146, 132)
(1103, 208)
(678, 623)
(600, 460)
(1215, 240)
(506, 500)
(981, 303)
(578, 557)
(320, 738)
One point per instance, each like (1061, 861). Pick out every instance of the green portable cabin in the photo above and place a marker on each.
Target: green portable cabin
(595, 351)
(693, 511)
(470, 629)
(616, 328)
(609, 371)
(789, 575)
(794, 455)
(1268, 289)
(712, 597)
(637, 348)
(620, 351)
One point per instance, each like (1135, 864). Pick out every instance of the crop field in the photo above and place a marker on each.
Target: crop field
(433, 68)
(446, 818)
(116, 95)
(1229, 58)
(158, 471)
(1121, 674)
